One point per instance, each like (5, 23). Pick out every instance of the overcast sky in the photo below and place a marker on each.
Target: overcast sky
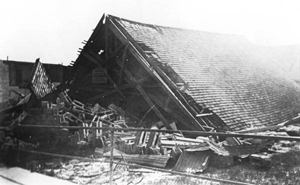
(53, 30)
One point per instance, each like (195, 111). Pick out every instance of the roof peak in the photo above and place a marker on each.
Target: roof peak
(169, 27)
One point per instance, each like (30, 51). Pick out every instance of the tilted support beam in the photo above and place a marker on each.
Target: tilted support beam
(170, 111)
(115, 52)
(98, 63)
(132, 49)
(144, 94)
(123, 59)
(126, 86)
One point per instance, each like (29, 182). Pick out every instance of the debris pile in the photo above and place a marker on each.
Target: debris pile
(67, 112)
(54, 121)
(150, 148)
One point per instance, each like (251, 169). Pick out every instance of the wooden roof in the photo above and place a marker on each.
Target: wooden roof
(225, 73)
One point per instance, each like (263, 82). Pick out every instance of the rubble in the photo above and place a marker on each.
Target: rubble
(192, 162)
(262, 160)
(142, 147)
(56, 123)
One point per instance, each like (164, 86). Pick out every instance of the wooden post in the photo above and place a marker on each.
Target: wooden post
(111, 155)
(122, 64)
(18, 147)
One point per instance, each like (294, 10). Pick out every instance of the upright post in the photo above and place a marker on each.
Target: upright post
(18, 147)
(111, 154)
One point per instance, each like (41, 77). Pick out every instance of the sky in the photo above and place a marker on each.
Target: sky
(53, 30)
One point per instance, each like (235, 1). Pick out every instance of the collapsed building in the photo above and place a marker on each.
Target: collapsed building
(131, 74)
(204, 81)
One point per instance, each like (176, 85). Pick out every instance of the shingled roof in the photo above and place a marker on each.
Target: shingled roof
(225, 73)
(288, 58)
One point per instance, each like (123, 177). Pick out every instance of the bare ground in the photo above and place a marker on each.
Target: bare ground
(284, 169)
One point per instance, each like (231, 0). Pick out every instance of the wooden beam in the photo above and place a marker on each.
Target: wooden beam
(106, 40)
(126, 86)
(97, 57)
(171, 112)
(144, 94)
(123, 59)
(84, 71)
(148, 160)
(151, 86)
(204, 114)
(167, 101)
(85, 79)
(92, 59)
(97, 30)
(115, 52)
(138, 55)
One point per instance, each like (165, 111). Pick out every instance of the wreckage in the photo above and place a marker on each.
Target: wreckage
(165, 82)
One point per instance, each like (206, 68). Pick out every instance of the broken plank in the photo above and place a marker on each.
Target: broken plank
(148, 160)
(192, 162)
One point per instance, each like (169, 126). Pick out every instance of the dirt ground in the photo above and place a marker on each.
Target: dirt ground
(284, 169)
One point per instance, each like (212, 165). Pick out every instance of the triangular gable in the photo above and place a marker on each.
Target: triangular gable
(210, 78)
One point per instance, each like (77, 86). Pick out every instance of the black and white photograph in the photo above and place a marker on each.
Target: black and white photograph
(148, 92)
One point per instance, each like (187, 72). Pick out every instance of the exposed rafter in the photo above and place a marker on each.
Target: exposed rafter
(144, 94)
(123, 59)
(143, 60)
(109, 92)
(171, 112)
(98, 63)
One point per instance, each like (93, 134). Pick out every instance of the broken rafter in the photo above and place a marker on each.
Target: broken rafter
(123, 35)
(154, 73)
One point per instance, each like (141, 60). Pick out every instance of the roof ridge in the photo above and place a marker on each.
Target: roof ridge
(178, 28)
